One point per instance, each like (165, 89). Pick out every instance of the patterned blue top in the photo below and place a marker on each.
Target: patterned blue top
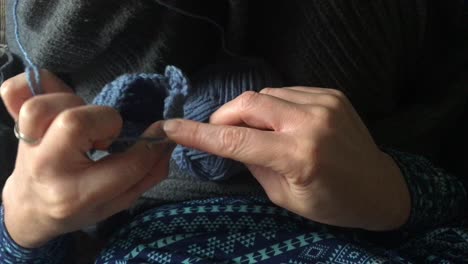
(253, 230)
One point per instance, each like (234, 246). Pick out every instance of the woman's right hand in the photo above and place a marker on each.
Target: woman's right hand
(55, 188)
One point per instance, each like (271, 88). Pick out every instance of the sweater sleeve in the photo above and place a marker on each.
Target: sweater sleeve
(437, 197)
(10, 252)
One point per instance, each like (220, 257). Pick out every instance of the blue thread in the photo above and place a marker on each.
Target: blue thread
(32, 72)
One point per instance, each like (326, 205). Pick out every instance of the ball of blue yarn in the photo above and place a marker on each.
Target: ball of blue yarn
(213, 87)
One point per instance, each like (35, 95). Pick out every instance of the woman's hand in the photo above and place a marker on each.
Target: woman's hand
(55, 188)
(310, 151)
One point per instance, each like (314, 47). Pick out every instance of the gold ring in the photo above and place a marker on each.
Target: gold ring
(24, 138)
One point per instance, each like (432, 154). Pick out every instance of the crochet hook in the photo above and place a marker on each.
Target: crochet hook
(147, 139)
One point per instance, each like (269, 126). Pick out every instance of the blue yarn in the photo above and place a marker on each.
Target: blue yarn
(178, 91)
(32, 71)
(143, 99)
(214, 87)
(146, 98)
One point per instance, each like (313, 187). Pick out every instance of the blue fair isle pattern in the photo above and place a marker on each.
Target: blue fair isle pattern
(228, 230)
(11, 253)
(437, 197)
(252, 230)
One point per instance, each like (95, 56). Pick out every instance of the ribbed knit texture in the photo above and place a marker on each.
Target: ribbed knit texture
(139, 98)
(214, 87)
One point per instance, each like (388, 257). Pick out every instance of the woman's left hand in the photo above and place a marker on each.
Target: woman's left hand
(310, 151)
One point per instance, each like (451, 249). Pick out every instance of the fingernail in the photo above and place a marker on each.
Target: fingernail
(171, 126)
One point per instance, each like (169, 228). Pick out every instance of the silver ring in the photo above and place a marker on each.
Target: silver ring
(24, 138)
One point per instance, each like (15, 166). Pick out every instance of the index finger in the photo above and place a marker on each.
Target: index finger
(15, 91)
(257, 110)
(247, 145)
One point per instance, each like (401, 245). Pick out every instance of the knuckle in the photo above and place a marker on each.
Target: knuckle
(303, 113)
(268, 91)
(323, 115)
(232, 140)
(61, 205)
(334, 102)
(72, 121)
(305, 162)
(33, 109)
(248, 99)
(6, 88)
(337, 93)
(61, 212)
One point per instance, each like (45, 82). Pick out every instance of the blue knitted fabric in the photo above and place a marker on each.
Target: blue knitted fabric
(213, 87)
(143, 99)
(253, 230)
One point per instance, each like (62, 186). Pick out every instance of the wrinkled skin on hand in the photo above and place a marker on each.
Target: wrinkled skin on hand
(310, 151)
(55, 188)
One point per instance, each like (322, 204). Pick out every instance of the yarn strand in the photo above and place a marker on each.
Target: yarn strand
(32, 72)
